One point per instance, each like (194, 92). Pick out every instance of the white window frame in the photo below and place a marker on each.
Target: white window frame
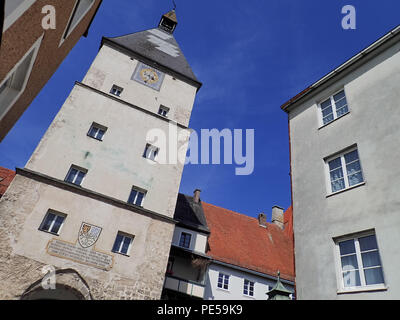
(56, 214)
(138, 190)
(7, 91)
(151, 152)
(16, 14)
(124, 235)
(98, 127)
(334, 111)
(344, 169)
(224, 275)
(190, 241)
(79, 169)
(339, 270)
(163, 109)
(69, 28)
(116, 88)
(251, 284)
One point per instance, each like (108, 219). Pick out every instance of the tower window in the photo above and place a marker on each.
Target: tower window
(163, 111)
(150, 152)
(75, 175)
(116, 91)
(136, 197)
(97, 131)
(123, 243)
(52, 222)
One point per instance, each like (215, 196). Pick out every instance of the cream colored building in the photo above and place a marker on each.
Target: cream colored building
(96, 200)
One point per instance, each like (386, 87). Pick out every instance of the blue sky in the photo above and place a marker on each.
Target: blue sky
(252, 56)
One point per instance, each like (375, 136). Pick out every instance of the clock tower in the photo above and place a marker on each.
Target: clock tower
(92, 211)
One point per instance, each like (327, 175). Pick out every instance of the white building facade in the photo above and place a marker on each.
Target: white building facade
(345, 178)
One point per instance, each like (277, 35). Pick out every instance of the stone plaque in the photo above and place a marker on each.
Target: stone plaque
(76, 253)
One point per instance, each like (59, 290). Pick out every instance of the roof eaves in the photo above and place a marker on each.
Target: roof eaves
(377, 44)
(153, 63)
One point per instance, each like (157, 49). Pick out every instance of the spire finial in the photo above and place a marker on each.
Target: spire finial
(173, 2)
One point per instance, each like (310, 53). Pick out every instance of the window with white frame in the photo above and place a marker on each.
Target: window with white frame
(185, 239)
(97, 131)
(80, 10)
(360, 263)
(163, 111)
(334, 107)
(136, 197)
(344, 170)
(223, 281)
(123, 243)
(116, 91)
(52, 222)
(75, 175)
(248, 288)
(150, 152)
(14, 84)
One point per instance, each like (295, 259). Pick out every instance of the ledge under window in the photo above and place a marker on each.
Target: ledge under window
(363, 289)
(347, 189)
(327, 124)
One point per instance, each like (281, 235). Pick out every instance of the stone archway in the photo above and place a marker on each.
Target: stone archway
(69, 286)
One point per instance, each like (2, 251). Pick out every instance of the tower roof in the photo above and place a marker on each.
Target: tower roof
(159, 48)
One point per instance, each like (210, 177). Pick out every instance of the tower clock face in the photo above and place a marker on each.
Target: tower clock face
(148, 76)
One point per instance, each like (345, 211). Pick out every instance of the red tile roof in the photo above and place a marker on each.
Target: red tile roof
(239, 240)
(6, 176)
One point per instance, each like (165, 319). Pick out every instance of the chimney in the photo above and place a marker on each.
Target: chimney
(277, 216)
(196, 196)
(262, 220)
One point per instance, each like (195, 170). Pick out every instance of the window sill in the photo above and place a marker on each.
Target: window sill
(122, 254)
(363, 289)
(347, 189)
(249, 297)
(327, 124)
(52, 233)
(224, 290)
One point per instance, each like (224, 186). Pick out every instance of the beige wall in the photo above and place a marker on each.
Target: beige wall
(21, 213)
(113, 67)
(115, 164)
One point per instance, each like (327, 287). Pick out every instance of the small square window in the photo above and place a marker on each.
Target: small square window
(150, 152)
(185, 239)
(334, 107)
(136, 197)
(223, 281)
(97, 131)
(163, 111)
(344, 171)
(116, 91)
(248, 288)
(52, 222)
(75, 175)
(123, 243)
